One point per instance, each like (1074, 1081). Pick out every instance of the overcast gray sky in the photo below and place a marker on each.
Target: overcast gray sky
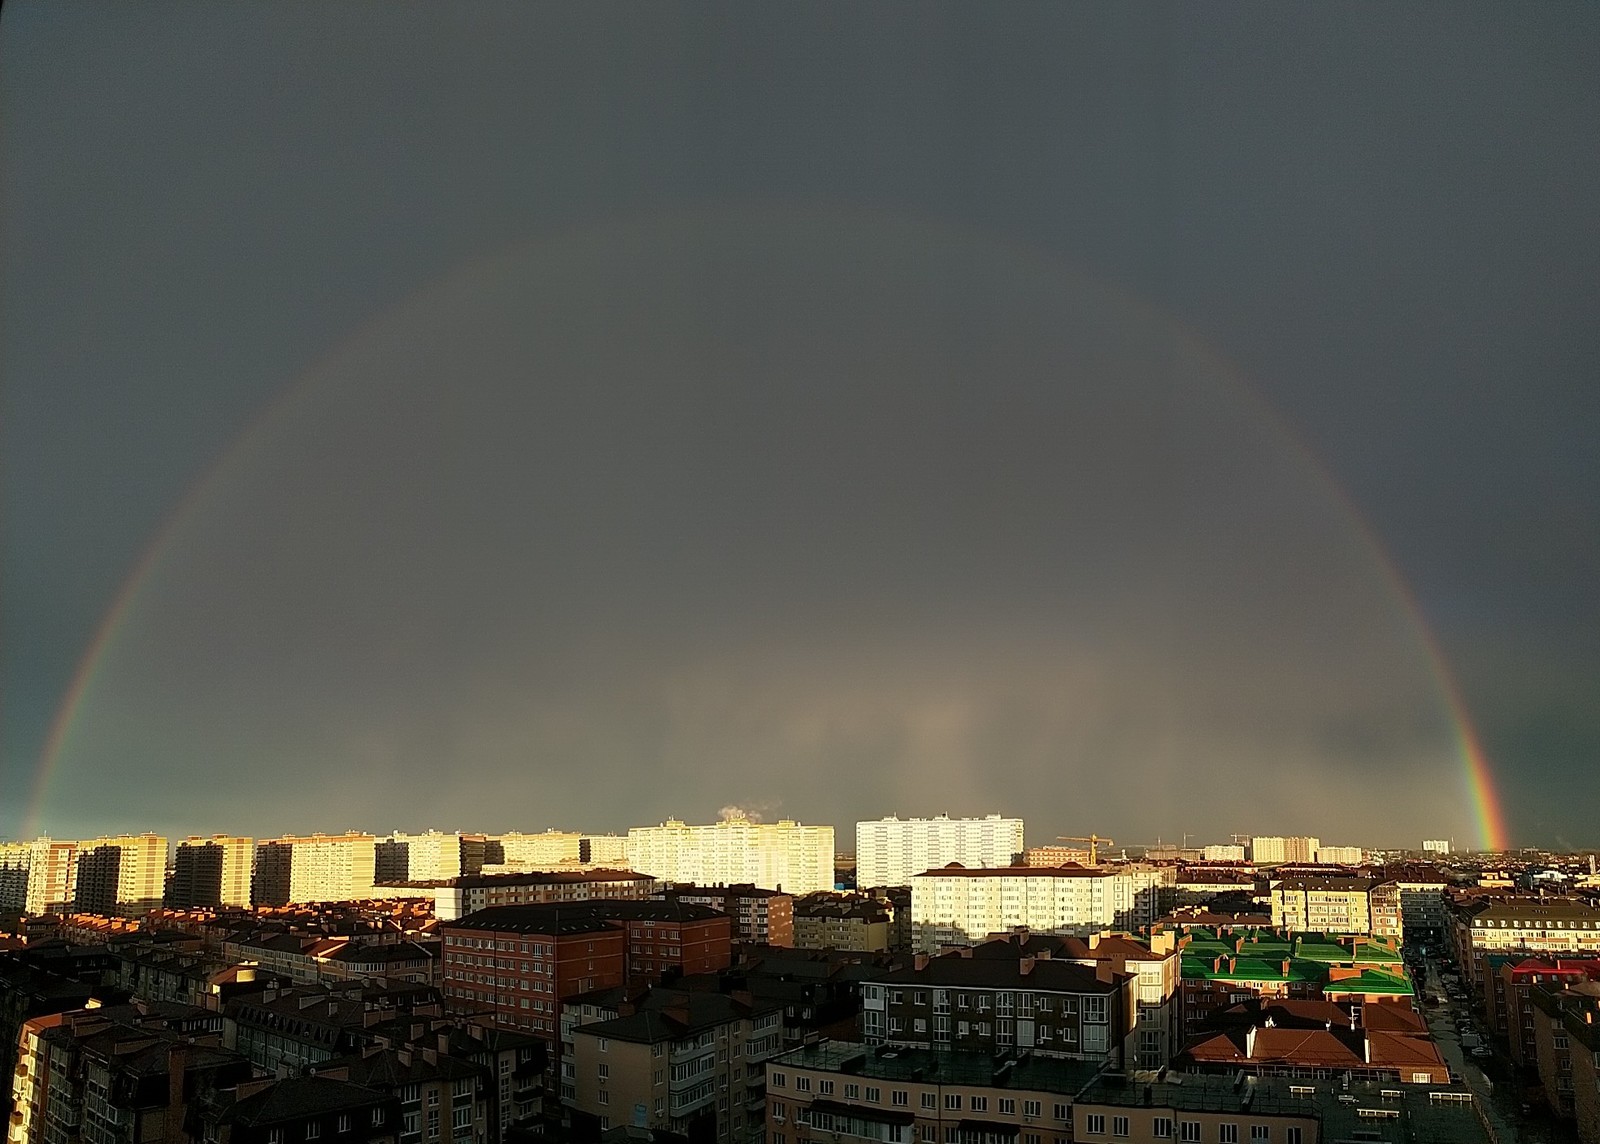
(571, 415)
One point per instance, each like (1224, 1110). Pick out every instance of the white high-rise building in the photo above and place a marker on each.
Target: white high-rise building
(891, 851)
(1436, 846)
(1227, 852)
(772, 855)
(956, 906)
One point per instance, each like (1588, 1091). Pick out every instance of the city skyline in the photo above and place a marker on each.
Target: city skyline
(1142, 419)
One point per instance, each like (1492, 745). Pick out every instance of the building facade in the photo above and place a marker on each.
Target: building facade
(890, 851)
(782, 855)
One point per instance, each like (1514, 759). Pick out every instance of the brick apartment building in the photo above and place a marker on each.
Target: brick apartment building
(520, 963)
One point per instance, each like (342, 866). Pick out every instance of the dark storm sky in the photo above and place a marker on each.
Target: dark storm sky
(665, 515)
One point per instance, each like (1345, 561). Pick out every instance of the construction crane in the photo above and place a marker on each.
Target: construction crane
(1094, 841)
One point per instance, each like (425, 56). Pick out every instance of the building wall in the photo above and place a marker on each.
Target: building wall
(952, 907)
(781, 855)
(890, 851)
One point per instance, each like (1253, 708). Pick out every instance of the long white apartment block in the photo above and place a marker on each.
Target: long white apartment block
(1276, 850)
(782, 855)
(958, 906)
(891, 851)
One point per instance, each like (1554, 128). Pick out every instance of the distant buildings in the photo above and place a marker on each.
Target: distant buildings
(1231, 852)
(1340, 855)
(1272, 850)
(781, 855)
(957, 906)
(848, 921)
(432, 856)
(763, 917)
(315, 868)
(519, 964)
(1435, 846)
(890, 851)
(458, 897)
(211, 873)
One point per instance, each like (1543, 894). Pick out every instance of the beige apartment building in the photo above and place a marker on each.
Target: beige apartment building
(784, 855)
(956, 906)
(681, 1061)
(1324, 905)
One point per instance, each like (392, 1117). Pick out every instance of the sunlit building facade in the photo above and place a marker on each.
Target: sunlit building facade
(783, 855)
(890, 851)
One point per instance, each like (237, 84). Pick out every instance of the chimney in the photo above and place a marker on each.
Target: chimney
(1286, 967)
(1366, 1047)
(177, 1065)
(1250, 1042)
(919, 962)
(1025, 966)
(1233, 964)
(1094, 940)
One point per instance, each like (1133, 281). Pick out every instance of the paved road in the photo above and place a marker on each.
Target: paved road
(1499, 1106)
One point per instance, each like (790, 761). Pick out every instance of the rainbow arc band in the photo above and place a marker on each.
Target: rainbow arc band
(1486, 805)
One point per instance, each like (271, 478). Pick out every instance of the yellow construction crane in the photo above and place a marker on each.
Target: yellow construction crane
(1094, 841)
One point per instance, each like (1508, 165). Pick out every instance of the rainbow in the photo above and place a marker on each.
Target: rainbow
(1487, 807)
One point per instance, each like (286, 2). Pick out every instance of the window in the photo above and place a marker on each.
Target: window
(1291, 1134)
(779, 1080)
(377, 1118)
(979, 1104)
(779, 1112)
(274, 1136)
(1008, 1106)
(952, 1100)
(1063, 1112)
(1228, 1133)
(929, 1100)
(313, 1130)
(873, 1095)
(605, 1096)
(825, 1087)
(852, 1092)
(802, 1084)
(1094, 1124)
(344, 1122)
(900, 1098)
(605, 1072)
(1191, 1131)
(1161, 1128)
(1030, 1108)
(1260, 1134)
(605, 1045)
(1119, 1126)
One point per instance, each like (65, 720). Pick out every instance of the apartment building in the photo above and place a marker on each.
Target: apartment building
(15, 859)
(761, 917)
(782, 855)
(51, 865)
(1233, 852)
(1340, 856)
(302, 1108)
(119, 876)
(1379, 1043)
(457, 897)
(547, 850)
(428, 857)
(846, 921)
(1055, 856)
(998, 1002)
(958, 906)
(211, 873)
(1304, 1109)
(890, 851)
(315, 868)
(678, 1061)
(1274, 850)
(1323, 905)
(833, 1090)
(521, 963)
(1523, 924)
(1523, 977)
